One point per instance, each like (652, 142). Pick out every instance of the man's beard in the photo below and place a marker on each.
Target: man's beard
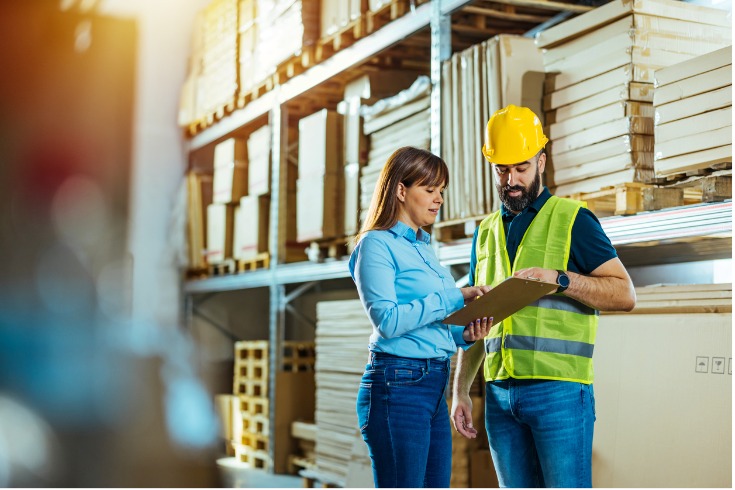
(518, 204)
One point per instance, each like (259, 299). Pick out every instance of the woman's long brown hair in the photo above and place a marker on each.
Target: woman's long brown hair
(407, 165)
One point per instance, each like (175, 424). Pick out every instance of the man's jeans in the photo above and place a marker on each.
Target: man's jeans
(403, 417)
(540, 432)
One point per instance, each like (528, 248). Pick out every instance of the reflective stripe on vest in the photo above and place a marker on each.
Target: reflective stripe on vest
(554, 337)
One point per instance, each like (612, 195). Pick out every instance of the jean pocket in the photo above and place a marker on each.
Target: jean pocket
(588, 397)
(364, 396)
(403, 375)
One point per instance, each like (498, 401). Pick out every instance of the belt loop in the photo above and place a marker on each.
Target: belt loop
(371, 358)
(428, 365)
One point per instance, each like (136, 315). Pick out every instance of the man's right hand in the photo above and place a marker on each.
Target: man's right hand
(462, 415)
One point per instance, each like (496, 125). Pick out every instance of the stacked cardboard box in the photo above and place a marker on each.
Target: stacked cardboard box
(475, 83)
(247, 44)
(693, 104)
(341, 358)
(401, 120)
(319, 189)
(599, 92)
(252, 435)
(220, 228)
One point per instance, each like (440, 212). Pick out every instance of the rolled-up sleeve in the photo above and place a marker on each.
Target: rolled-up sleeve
(375, 275)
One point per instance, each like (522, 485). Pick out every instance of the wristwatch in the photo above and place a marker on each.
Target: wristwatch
(563, 281)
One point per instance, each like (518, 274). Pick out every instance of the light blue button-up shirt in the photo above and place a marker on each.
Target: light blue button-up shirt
(406, 294)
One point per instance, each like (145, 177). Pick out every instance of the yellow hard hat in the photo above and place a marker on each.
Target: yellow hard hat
(514, 135)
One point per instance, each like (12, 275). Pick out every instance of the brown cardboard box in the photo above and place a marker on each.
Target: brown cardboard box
(251, 227)
(320, 144)
(319, 207)
(220, 224)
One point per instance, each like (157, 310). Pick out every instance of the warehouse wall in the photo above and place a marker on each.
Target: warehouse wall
(159, 158)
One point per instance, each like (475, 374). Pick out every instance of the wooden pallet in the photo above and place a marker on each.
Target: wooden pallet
(329, 249)
(388, 13)
(709, 187)
(257, 459)
(447, 231)
(251, 369)
(260, 261)
(254, 405)
(222, 268)
(621, 199)
(250, 387)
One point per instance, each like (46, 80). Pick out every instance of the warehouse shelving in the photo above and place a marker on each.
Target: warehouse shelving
(708, 226)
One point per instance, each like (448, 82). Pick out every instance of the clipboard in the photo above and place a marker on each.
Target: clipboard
(502, 301)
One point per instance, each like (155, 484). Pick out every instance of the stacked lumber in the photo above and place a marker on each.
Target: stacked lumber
(475, 83)
(305, 435)
(401, 120)
(599, 91)
(686, 298)
(252, 435)
(693, 107)
(218, 83)
(342, 335)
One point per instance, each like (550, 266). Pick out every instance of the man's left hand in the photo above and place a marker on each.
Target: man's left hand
(538, 274)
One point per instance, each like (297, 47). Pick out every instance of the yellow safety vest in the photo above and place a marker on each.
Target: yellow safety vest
(554, 337)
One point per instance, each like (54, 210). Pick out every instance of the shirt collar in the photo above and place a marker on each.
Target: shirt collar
(401, 229)
(535, 205)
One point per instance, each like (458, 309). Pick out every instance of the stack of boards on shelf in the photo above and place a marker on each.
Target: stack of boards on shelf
(341, 454)
(401, 120)
(599, 93)
(693, 111)
(475, 83)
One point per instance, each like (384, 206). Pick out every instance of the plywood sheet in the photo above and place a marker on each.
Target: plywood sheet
(689, 87)
(693, 161)
(691, 106)
(696, 124)
(594, 168)
(604, 114)
(636, 92)
(694, 142)
(695, 66)
(603, 132)
(605, 149)
(601, 181)
(601, 16)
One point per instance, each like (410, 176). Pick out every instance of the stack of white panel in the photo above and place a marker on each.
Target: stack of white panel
(598, 102)
(401, 120)
(475, 83)
(693, 104)
(218, 83)
(342, 335)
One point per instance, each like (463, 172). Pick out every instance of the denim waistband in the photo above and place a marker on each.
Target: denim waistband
(432, 363)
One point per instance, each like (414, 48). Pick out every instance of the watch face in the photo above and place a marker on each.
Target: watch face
(563, 280)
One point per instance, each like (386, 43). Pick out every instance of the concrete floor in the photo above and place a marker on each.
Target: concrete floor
(239, 475)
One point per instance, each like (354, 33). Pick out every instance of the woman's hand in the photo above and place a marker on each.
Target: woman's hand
(477, 330)
(471, 292)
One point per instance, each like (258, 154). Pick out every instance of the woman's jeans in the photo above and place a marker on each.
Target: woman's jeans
(540, 432)
(403, 417)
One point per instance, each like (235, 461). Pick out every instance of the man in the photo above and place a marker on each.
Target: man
(539, 402)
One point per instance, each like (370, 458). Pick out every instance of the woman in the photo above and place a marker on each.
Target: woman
(401, 408)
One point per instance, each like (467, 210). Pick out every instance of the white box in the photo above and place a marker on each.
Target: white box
(251, 227)
(320, 144)
(220, 219)
(319, 207)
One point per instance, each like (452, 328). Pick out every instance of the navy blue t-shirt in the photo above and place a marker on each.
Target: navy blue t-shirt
(590, 245)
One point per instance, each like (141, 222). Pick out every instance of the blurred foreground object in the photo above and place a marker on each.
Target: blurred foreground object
(102, 401)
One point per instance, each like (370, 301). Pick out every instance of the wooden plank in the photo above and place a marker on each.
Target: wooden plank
(605, 149)
(691, 106)
(695, 66)
(616, 9)
(604, 114)
(689, 87)
(693, 161)
(596, 183)
(594, 168)
(548, 5)
(603, 132)
(694, 142)
(696, 124)
(634, 92)
(587, 88)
